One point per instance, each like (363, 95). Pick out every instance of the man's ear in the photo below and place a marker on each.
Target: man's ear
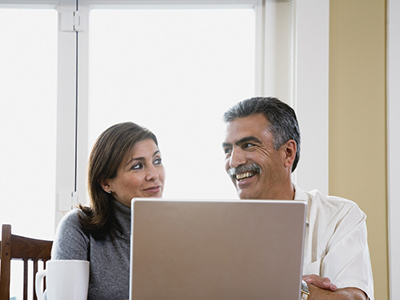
(290, 148)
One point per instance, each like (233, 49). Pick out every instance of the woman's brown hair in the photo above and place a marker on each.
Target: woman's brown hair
(107, 154)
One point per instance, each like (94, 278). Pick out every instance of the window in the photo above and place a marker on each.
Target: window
(54, 106)
(28, 85)
(67, 124)
(174, 71)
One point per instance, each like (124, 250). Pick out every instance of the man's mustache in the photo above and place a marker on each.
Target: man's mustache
(252, 167)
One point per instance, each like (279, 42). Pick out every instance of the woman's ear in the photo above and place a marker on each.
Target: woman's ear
(105, 185)
(290, 153)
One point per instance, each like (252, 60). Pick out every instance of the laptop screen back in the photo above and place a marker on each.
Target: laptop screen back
(236, 249)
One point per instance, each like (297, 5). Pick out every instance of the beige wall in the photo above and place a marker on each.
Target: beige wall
(357, 115)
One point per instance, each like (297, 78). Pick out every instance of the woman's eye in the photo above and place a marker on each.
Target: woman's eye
(137, 167)
(158, 161)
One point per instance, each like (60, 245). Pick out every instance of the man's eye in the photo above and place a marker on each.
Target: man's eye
(158, 161)
(227, 150)
(247, 145)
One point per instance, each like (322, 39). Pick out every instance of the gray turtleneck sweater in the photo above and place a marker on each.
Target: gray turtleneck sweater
(109, 258)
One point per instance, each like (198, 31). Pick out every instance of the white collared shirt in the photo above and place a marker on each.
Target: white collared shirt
(336, 241)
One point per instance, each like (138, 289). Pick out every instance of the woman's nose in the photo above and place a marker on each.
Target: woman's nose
(152, 174)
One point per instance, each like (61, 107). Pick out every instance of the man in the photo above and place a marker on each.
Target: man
(262, 149)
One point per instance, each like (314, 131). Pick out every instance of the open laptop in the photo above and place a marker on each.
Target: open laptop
(205, 250)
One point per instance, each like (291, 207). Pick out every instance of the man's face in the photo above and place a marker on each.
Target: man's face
(257, 170)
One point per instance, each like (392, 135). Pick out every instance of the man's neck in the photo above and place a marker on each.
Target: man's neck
(285, 192)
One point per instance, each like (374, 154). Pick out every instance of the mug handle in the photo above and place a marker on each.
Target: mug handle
(38, 284)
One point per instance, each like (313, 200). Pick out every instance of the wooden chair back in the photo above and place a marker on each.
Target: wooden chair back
(25, 249)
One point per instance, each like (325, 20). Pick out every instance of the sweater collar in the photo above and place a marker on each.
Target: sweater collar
(123, 217)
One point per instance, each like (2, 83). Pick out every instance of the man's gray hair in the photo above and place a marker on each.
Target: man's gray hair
(283, 120)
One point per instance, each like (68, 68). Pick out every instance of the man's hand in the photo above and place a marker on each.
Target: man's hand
(323, 289)
(322, 283)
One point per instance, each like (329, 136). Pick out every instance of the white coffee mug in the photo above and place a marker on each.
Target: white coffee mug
(65, 280)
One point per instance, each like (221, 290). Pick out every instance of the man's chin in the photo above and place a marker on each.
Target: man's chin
(243, 194)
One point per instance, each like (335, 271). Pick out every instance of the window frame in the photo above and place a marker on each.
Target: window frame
(308, 81)
(308, 89)
(66, 99)
(86, 5)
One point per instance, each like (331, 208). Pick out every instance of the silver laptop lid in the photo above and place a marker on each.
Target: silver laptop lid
(237, 249)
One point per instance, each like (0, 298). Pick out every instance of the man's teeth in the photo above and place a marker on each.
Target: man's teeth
(244, 175)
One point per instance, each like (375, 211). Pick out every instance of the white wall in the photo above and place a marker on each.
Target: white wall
(393, 113)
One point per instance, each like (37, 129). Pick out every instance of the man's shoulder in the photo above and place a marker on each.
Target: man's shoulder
(333, 204)
(317, 196)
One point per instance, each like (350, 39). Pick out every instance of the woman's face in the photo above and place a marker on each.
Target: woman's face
(140, 174)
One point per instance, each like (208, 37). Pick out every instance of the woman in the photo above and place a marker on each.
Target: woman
(125, 163)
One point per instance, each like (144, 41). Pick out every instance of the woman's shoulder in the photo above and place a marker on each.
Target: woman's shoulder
(71, 217)
(71, 240)
(71, 222)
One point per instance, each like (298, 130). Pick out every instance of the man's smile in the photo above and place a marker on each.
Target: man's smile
(245, 175)
(244, 172)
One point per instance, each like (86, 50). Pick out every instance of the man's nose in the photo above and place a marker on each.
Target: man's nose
(237, 158)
